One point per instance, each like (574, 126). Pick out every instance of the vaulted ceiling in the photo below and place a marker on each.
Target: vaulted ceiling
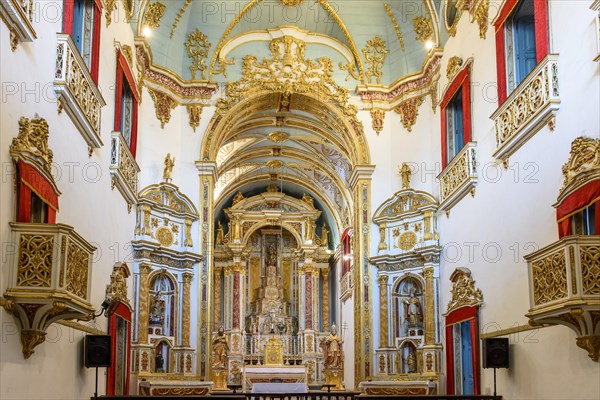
(339, 30)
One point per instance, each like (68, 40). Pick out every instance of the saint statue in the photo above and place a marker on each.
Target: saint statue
(324, 235)
(405, 172)
(411, 360)
(414, 312)
(168, 170)
(157, 309)
(220, 349)
(272, 257)
(332, 350)
(220, 234)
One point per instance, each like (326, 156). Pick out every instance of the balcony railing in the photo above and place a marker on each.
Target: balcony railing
(77, 92)
(533, 104)
(123, 168)
(459, 177)
(564, 288)
(49, 278)
(18, 15)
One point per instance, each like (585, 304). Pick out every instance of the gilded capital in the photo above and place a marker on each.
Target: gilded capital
(187, 278)
(145, 269)
(382, 280)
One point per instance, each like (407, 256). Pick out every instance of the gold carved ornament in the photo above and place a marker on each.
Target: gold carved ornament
(33, 140)
(154, 13)
(109, 6)
(77, 270)
(35, 260)
(549, 278)
(583, 160)
(374, 53)
(164, 236)
(454, 63)
(481, 16)
(395, 24)
(194, 112)
(407, 241)
(377, 117)
(423, 29)
(463, 290)
(291, 2)
(409, 110)
(163, 105)
(289, 72)
(116, 290)
(197, 47)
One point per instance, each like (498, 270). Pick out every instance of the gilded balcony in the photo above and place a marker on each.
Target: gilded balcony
(49, 279)
(564, 288)
(458, 178)
(533, 104)
(18, 16)
(123, 168)
(77, 92)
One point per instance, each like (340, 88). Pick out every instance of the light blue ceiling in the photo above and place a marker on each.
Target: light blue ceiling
(363, 19)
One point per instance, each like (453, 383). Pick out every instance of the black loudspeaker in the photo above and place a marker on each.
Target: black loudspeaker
(495, 353)
(96, 351)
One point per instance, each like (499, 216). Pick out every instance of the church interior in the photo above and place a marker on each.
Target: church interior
(396, 197)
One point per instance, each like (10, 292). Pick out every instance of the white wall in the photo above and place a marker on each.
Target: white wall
(87, 203)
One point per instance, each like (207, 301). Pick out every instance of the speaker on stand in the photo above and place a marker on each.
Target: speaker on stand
(96, 354)
(495, 355)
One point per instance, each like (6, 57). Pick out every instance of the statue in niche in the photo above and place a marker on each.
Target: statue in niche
(157, 309)
(220, 234)
(324, 235)
(168, 170)
(159, 361)
(414, 310)
(310, 229)
(220, 349)
(237, 229)
(332, 350)
(272, 256)
(411, 361)
(405, 173)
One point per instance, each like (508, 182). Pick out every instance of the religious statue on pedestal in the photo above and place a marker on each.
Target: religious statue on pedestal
(220, 351)
(414, 311)
(333, 359)
(168, 170)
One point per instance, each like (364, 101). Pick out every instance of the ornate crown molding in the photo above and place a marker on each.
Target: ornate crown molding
(463, 291)
(161, 79)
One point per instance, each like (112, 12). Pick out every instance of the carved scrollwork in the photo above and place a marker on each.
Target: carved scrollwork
(463, 290)
(584, 159)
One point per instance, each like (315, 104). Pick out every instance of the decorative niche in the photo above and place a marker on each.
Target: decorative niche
(408, 273)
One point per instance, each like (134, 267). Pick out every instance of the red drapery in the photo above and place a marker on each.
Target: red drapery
(575, 202)
(457, 316)
(124, 71)
(30, 180)
(123, 312)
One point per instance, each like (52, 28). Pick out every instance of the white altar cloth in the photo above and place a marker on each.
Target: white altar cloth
(275, 387)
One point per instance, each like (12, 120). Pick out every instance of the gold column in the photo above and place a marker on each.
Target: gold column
(325, 274)
(383, 310)
(429, 307)
(360, 181)
(144, 292)
(207, 174)
(185, 316)
(217, 296)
